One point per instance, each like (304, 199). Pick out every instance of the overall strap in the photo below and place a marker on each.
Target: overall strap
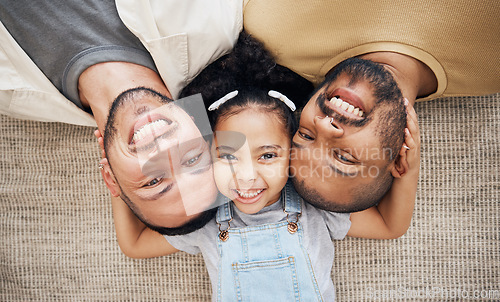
(224, 212)
(224, 216)
(291, 199)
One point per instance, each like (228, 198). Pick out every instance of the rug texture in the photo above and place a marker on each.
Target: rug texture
(58, 242)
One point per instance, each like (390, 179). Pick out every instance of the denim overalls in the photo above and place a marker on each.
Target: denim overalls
(265, 262)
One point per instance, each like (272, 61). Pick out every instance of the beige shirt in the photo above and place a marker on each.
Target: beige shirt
(459, 40)
(182, 37)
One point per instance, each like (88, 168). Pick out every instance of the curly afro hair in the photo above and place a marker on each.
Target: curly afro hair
(248, 65)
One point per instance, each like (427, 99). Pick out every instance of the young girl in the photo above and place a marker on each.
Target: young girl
(266, 246)
(265, 243)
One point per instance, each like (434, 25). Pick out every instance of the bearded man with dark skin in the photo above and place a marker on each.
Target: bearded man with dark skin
(351, 131)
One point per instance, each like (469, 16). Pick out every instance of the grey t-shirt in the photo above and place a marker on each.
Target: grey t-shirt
(319, 226)
(65, 37)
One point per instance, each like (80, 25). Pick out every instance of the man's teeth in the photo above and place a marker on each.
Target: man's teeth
(148, 129)
(249, 195)
(346, 106)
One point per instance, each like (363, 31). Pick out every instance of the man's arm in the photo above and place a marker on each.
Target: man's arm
(391, 218)
(134, 238)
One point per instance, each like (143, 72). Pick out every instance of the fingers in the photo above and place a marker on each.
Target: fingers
(100, 141)
(404, 160)
(412, 119)
(412, 141)
(409, 140)
(410, 152)
(412, 124)
(97, 133)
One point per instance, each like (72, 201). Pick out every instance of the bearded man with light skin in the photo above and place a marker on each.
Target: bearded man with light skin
(122, 105)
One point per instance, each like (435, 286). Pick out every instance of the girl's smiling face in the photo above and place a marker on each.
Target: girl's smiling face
(251, 154)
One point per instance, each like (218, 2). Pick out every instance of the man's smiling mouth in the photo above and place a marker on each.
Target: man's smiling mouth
(346, 103)
(154, 128)
(149, 129)
(346, 106)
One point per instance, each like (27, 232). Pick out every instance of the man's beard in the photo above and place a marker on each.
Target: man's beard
(190, 226)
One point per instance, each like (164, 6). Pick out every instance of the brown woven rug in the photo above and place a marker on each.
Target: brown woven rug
(58, 241)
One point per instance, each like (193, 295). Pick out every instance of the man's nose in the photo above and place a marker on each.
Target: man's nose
(328, 127)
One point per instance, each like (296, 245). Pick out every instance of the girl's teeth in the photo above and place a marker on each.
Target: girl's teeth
(248, 195)
(346, 106)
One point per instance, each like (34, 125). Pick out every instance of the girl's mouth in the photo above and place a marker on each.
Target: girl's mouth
(248, 196)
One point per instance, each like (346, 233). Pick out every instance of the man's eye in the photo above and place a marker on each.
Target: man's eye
(344, 159)
(190, 162)
(154, 181)
(268, 156)
(227, 156)
(305, 136)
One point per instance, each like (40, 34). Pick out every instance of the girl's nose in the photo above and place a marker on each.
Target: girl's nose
(245, 173)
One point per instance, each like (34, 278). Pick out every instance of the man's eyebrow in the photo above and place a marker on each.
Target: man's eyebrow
(159, 194)
(340, 172)
(225, 148)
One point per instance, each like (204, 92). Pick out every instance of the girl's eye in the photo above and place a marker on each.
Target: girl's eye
(268, 156)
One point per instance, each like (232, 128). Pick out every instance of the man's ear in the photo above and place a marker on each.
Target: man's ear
(400, 165)
(109, 178)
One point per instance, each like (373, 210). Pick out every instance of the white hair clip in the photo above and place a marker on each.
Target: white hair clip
(222, 100)
(283, 98)
(271, 93)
